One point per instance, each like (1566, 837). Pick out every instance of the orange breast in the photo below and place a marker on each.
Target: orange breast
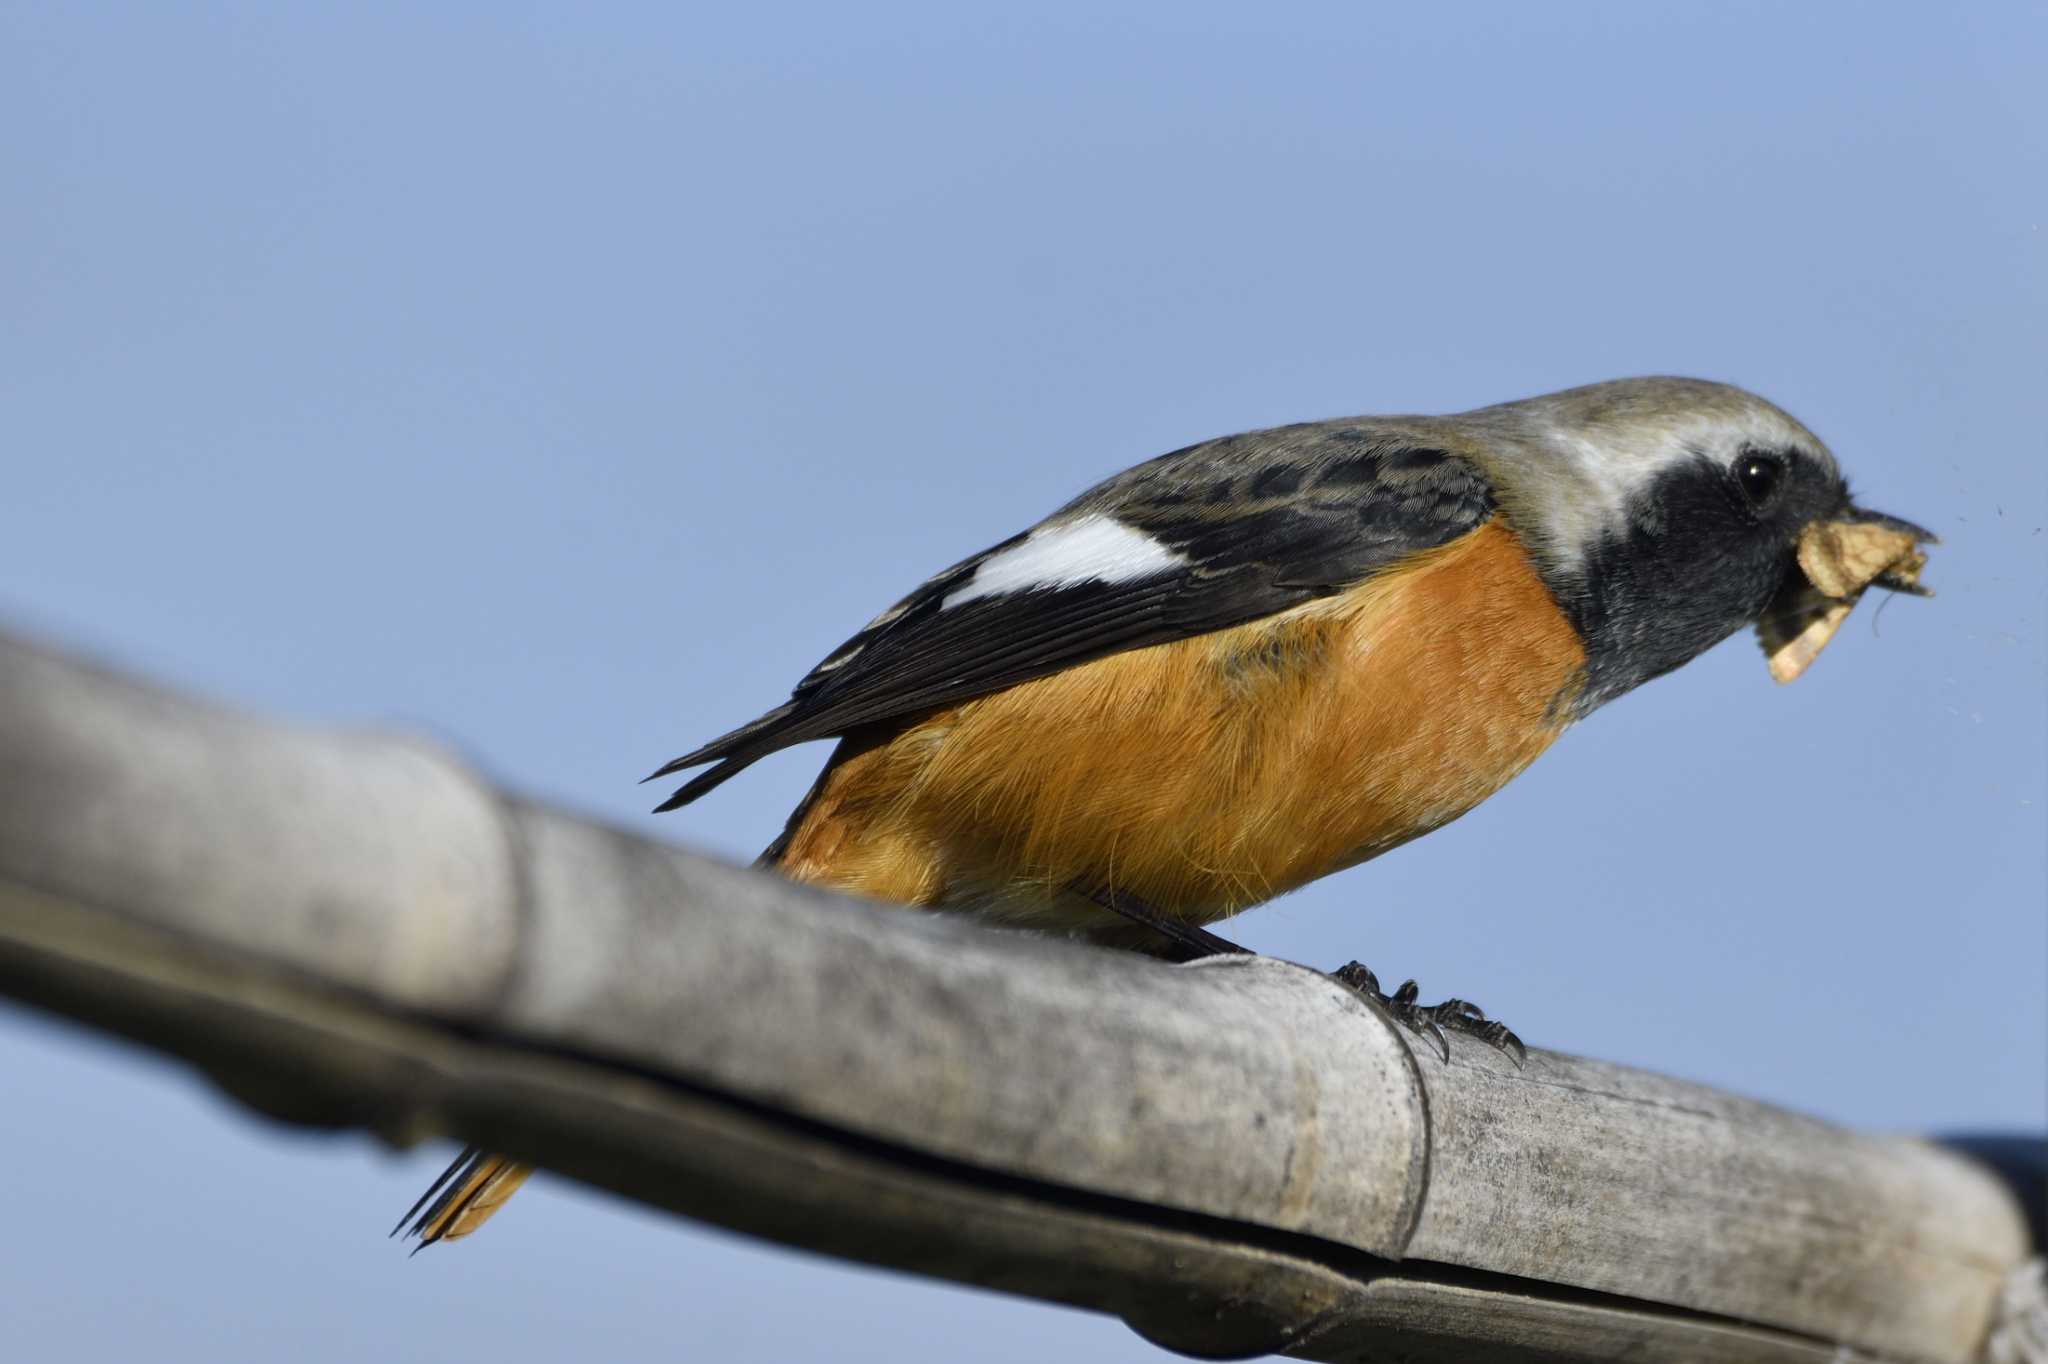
(1209, 774)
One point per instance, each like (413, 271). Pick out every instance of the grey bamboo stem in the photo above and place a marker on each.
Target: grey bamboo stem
(354, 930)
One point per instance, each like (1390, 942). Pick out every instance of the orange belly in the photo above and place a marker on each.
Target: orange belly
(1209, 774)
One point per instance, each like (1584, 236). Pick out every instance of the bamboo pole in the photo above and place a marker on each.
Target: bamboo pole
(1237, 1157)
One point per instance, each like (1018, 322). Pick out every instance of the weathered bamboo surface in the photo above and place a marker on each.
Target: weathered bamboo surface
(1237, 1157)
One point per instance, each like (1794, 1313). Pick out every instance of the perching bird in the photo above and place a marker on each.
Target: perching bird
(1247, 664)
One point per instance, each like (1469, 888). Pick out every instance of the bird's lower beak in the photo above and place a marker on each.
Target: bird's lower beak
(1838, 559)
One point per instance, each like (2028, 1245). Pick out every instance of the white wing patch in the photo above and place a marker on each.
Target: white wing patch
(1095, 548)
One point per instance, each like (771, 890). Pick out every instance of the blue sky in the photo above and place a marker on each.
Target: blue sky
(562, 382)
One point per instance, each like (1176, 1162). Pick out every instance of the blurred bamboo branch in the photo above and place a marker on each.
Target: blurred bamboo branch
(1237, 1157)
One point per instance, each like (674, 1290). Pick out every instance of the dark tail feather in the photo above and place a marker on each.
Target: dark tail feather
(434, 1188)
(733, 753)
(704, 781)
(729, 745)
(478, 1183)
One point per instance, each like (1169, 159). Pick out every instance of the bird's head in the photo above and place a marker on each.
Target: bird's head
(1666, 514)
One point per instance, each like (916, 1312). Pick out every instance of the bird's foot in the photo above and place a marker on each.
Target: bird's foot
(1184, 942)
(1431, 1021)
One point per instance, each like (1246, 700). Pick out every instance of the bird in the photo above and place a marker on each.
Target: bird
(1255, 661)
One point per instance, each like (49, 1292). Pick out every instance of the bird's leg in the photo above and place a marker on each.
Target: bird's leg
(1429, 1021)
(1182, 941)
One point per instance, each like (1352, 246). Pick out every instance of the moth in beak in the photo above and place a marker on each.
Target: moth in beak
(1837, 561)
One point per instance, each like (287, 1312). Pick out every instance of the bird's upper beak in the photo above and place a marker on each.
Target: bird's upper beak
(1838, 559)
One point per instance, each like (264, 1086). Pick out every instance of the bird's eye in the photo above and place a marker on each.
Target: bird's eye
(1759, 476)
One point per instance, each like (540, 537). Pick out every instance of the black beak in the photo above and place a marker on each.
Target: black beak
(1861, 517)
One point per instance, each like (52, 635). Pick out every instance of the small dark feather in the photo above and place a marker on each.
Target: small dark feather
(1355, 471)
(1410, 460)
(1278, 481)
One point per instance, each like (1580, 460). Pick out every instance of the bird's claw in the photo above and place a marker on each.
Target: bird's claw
(1429, 1021)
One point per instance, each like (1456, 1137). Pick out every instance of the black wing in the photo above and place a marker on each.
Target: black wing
(1258, 523)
